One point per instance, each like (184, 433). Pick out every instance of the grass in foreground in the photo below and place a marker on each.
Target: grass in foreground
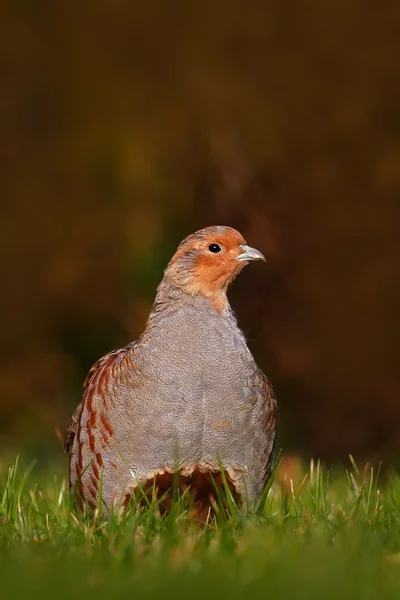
(319, 539)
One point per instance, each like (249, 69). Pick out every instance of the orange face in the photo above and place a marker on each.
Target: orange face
(207, 261)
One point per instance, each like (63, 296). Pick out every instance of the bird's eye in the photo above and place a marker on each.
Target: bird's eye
(214, 248)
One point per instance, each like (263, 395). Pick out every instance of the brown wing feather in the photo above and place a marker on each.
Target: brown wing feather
(103, 363)
(72, 429)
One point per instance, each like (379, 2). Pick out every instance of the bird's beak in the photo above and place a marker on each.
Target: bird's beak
(250, 253)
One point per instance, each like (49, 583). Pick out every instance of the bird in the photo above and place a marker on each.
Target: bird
(186, 401)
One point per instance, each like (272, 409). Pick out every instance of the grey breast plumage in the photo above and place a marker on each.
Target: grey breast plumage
(188, 394)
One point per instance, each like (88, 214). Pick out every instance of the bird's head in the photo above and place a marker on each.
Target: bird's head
(207, 261)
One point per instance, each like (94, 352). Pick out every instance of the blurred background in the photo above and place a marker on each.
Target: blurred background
(125, 126)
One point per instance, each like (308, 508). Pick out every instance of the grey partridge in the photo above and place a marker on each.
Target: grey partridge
(185, 398)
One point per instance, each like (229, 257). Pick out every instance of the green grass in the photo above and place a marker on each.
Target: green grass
(325, 537)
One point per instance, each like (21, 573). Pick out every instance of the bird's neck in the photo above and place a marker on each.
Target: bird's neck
(168, 292)
(173, 306)
(171, 299)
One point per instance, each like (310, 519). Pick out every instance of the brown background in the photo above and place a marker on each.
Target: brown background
(125, 126)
